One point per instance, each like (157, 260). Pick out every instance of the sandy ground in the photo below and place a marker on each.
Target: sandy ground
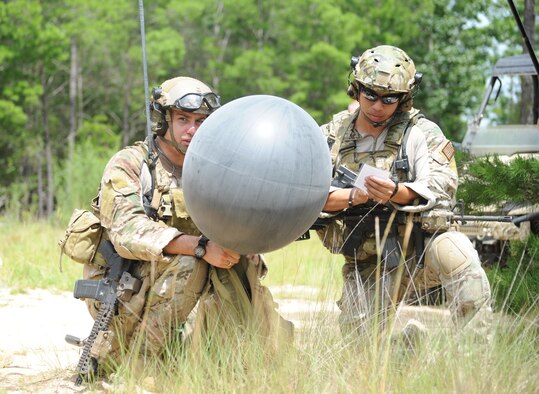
(34, 356)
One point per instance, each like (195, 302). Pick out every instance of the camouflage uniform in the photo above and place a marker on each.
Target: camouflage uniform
(443, 180)
(450, 259)
(172, 284)
(451, 254)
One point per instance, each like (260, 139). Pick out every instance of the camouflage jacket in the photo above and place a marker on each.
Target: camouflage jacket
(347, 148)
(120, 206)
(443, 180)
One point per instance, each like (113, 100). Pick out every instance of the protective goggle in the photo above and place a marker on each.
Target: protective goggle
(193, 101)
(373, 97)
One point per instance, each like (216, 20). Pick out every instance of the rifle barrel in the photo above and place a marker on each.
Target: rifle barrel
(477, 218)
(517, 219)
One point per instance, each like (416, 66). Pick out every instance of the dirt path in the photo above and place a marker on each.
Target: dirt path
(33, 353)
(34, 356)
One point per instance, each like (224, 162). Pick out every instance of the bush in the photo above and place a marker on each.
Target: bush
(490, 184)
(516, 286)
(489, 180)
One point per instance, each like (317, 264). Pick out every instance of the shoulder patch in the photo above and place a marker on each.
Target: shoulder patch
(443, 153)
(448, 150)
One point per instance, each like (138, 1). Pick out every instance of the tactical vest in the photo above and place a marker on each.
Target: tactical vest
(357, 242)
(346, 154)
(169, 203)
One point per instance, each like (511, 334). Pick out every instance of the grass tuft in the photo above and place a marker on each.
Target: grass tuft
(498, 358)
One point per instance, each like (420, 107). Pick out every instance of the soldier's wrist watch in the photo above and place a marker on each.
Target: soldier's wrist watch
(200, 249)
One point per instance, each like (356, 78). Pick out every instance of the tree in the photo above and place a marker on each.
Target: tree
(72, 71)
(35, 57)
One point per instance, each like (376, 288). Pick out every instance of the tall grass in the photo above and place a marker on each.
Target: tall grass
(319, 360)
(517, 284)
(305, 263)
(30, 257)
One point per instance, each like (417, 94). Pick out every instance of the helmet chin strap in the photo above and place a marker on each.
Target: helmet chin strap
(376, 124)
(174, 143)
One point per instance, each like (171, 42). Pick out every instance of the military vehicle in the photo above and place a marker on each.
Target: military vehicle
(506, 141)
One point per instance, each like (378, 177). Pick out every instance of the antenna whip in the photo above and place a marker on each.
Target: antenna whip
(145, 72)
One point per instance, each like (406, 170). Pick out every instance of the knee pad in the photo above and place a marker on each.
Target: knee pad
(452, 253)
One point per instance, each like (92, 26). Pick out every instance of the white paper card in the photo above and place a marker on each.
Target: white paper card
(367, 170)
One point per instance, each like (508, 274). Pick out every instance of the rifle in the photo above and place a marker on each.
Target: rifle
(344, 178)
(117, 284)
(360, 222)
(440, 220)
(431, 221)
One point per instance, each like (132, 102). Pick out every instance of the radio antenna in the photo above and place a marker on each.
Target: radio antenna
(145, 72)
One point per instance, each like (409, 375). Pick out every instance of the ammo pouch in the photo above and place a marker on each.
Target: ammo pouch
(81, 237)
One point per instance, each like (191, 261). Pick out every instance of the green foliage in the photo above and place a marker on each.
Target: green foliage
(78, 181)
(516, 286)
(489, 181)
(299, 50)
(448, 68)
(15, 203)
(98, 136)
(167, 48)
(13, 118)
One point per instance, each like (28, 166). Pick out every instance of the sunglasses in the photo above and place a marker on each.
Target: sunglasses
(373, 97)
(193, 101)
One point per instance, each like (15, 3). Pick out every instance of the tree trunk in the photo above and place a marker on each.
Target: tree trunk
(80, 106)
(72, 132)
(526, 109)
(40, 189)
(50, 178)
(48, 149)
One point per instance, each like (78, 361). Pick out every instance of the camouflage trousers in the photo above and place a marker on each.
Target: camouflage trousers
(449, 260)
(169, 292)
(159, 311)
(235, 308)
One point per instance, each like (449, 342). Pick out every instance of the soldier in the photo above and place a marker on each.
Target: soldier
(387, 133)
(142, 209)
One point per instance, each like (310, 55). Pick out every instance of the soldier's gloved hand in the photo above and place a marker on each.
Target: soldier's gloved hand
(220, 257)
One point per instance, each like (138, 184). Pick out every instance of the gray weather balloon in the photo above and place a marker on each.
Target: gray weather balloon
(256, 174)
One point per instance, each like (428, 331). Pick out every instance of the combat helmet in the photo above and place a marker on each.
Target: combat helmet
(184, 93)
(385, 69)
